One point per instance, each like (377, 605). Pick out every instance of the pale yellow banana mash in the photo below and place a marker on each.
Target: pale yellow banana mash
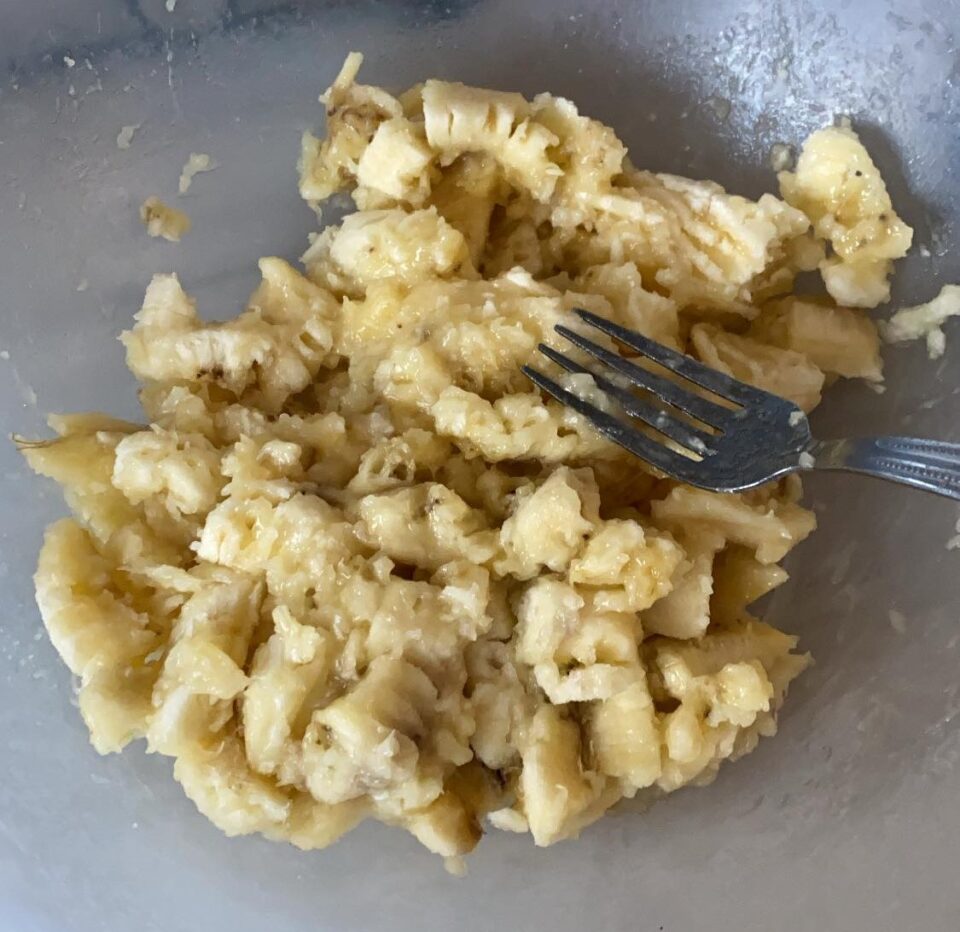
(355, 566)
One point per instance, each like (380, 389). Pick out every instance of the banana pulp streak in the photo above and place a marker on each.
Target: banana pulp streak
(356, 567)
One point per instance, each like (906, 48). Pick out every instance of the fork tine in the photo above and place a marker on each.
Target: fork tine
(716, 382)
(686, 435)
(648, 450)
(665, 390)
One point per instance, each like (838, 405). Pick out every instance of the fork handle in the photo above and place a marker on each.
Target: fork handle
(932, 465)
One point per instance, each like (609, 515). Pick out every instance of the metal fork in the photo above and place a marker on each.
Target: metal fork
(741, 440)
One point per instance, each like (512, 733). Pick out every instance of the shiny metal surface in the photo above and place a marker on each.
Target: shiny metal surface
(922, 464)
(758, 438)
(848, 819)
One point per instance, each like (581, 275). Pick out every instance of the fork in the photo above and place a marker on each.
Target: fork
(744, 438)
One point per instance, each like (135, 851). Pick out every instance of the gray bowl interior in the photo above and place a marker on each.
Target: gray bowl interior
(848, 819)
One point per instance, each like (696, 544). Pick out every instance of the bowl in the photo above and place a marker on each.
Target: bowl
(848, 818)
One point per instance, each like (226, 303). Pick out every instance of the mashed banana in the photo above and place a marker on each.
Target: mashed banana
(356, 567)
(925, 321)
(163, 220)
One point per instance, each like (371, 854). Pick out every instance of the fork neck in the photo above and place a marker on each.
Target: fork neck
(924, 464)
